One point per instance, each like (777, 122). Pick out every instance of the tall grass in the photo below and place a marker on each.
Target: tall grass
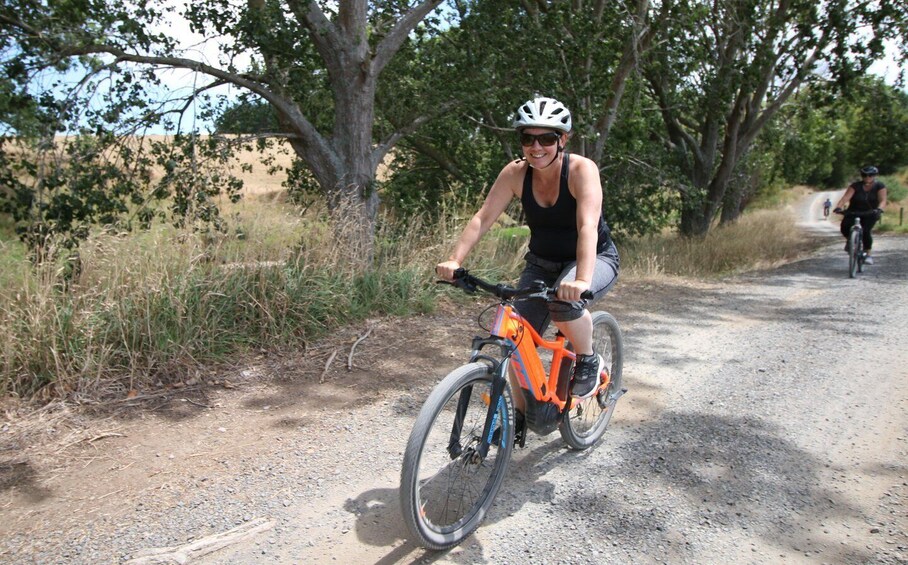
(153, 308)
(895, 220)
(760, 239)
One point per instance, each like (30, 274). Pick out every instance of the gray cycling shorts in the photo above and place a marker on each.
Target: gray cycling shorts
(539, 313)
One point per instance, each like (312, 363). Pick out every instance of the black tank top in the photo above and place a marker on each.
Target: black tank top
(865, 200)
(553, 230)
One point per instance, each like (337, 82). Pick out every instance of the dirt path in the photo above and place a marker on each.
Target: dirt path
(766, 421)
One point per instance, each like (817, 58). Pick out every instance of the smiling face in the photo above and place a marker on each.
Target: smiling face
(868, 179)
(540, 145)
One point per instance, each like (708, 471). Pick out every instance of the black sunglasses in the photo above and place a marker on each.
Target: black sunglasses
(547, 139)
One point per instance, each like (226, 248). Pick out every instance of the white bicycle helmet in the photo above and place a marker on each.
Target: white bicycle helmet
(543, 113)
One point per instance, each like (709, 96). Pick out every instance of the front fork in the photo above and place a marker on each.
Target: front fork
(498, 367)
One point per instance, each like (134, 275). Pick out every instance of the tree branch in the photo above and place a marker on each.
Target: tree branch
(639, 40)
(324, 35)
(391, 43)
(378, 154)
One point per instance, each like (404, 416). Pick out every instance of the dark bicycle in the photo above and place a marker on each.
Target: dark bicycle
(855, 244)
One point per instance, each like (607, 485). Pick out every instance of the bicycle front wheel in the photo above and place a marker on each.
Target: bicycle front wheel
(446, 487)
(854, 248)
(587, 420)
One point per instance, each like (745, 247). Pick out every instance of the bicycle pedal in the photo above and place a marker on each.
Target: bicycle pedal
(605, 400)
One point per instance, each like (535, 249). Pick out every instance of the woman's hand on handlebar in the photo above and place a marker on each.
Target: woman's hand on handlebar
(572, 291)
(445, 270)
(839, 211)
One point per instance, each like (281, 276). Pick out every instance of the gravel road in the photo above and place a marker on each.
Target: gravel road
(766, 422)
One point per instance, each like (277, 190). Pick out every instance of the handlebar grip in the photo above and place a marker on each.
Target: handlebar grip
(585, 295)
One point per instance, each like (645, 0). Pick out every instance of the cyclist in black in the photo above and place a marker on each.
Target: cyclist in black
(826, 207)
(866, 197)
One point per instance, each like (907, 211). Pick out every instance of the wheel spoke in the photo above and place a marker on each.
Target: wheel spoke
(588, 419)
(452, 494)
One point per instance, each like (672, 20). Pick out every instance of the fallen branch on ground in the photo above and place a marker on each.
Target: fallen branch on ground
(184, 553)
(330, 360)
(91, 439)
(353, 348)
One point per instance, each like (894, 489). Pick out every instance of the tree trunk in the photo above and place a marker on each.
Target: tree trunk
(353, 207)
(741, 189)
(733, 204)
(694, 219)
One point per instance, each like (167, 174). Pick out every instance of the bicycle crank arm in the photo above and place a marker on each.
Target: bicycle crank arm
(606, 400)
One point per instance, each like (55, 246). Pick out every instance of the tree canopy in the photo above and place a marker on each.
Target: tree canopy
(669, 98)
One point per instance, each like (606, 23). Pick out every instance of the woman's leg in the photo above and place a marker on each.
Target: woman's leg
(867, 224)
(579, 332)
(535, 312)
(573, 318)
(845, 227)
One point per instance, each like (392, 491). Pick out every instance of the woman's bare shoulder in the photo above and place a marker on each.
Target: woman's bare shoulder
(512, 175)
(515, 167)
(584, 175)
(584, 164)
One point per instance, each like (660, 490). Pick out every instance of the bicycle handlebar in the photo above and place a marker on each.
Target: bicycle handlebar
(848, 212)
(470, 283)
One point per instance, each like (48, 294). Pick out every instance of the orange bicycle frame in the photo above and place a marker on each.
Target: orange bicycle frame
(528, 367)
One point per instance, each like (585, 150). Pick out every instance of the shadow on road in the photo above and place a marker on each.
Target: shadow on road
(732, 470)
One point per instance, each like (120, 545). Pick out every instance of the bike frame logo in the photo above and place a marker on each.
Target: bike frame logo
(503, 328)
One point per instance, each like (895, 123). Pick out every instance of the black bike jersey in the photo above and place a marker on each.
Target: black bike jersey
(553, 230)
(865, 200)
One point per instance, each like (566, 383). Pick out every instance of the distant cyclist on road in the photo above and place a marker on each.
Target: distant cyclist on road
(867, 198)
(827, 205)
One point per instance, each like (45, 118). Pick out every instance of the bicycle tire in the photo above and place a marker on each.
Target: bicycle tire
(588, 419)
(854, 248)
(445, 497)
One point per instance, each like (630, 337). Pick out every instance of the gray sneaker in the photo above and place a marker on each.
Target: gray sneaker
(587, 369)
(868, 260)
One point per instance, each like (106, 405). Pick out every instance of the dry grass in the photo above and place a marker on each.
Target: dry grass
(896, 217)
(153, 308)
(150, 309)
(758, 240)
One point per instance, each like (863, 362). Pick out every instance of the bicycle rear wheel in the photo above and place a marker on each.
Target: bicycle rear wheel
(854, 252)
(445, 487)
(587, 420)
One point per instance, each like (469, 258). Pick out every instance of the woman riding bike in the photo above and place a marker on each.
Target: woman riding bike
(570, 246)
(866, 197)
